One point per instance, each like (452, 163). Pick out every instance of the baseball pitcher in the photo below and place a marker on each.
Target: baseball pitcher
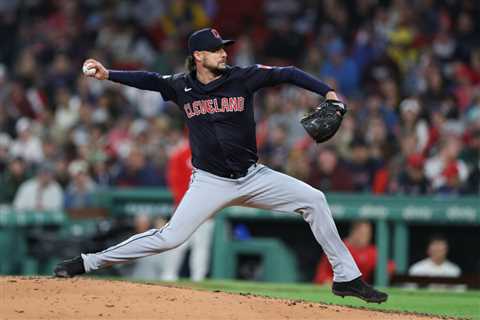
(217, 103)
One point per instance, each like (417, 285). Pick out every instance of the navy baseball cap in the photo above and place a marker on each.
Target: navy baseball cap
(207, 39)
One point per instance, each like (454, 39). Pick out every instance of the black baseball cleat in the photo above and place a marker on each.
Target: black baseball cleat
(70, 268)
(360, 289)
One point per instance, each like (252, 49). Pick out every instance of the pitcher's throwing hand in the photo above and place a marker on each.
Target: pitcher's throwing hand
(93, 68)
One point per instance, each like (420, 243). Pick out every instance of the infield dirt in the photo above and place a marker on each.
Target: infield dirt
(87, 298)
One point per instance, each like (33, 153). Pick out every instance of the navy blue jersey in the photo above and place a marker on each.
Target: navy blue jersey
(219, 115)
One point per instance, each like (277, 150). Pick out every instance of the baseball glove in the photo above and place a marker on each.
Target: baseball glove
(322, 123)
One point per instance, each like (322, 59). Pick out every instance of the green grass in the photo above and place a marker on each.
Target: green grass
(443, 303)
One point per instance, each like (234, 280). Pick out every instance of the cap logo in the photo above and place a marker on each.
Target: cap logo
(215, 33)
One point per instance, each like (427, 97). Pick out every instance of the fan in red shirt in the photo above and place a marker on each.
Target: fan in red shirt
(179, 171)
(364, 253)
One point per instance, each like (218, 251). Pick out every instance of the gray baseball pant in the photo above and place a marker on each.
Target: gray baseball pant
(261, 188)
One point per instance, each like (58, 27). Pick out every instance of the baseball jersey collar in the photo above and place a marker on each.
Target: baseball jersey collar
(205, 88)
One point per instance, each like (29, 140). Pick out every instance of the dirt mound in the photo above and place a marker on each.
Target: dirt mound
(85, 298)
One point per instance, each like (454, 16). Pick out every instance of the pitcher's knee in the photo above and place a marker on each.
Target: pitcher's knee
(168, 240)
(312, 201)
(318, 204)
(316, 198)
(320, 197)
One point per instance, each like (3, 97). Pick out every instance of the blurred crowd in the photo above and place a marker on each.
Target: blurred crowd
(409, 72)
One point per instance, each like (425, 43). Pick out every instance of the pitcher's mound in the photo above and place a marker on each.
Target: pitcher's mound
(85, 298)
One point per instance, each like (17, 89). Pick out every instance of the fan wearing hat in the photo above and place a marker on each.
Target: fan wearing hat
(412, 179)
(216, 101)
(445, 170)
(80, 191)
(26, 145)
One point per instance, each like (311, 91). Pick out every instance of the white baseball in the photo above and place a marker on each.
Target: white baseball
(89, 69)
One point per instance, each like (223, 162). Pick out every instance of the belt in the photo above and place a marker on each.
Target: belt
(239, 174)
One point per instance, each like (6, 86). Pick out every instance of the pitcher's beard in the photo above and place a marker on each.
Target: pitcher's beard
(217, 70)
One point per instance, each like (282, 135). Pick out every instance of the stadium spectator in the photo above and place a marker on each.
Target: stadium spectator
(364, 253)
(377, 138)
(361, 166)
(137, 171)
(183, 16)
(400, 34)
(16, 174)
(435, 92)
(67, 109)
(436, 263)
(412, 180)
(474, 180)
(41, 192)
(341, 67)
(244, 55)
(378, 71)
(296, 167)
(61, 172)
(81, 190)
(101, 174)
(276, 148)
(375, 106)
(344, 137)
(329, 174)
(445, 171)
(410, 110)
(5, 142)
(284, 44)
(26, 145)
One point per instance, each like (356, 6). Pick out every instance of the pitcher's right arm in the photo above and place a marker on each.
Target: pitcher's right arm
(139, 79)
